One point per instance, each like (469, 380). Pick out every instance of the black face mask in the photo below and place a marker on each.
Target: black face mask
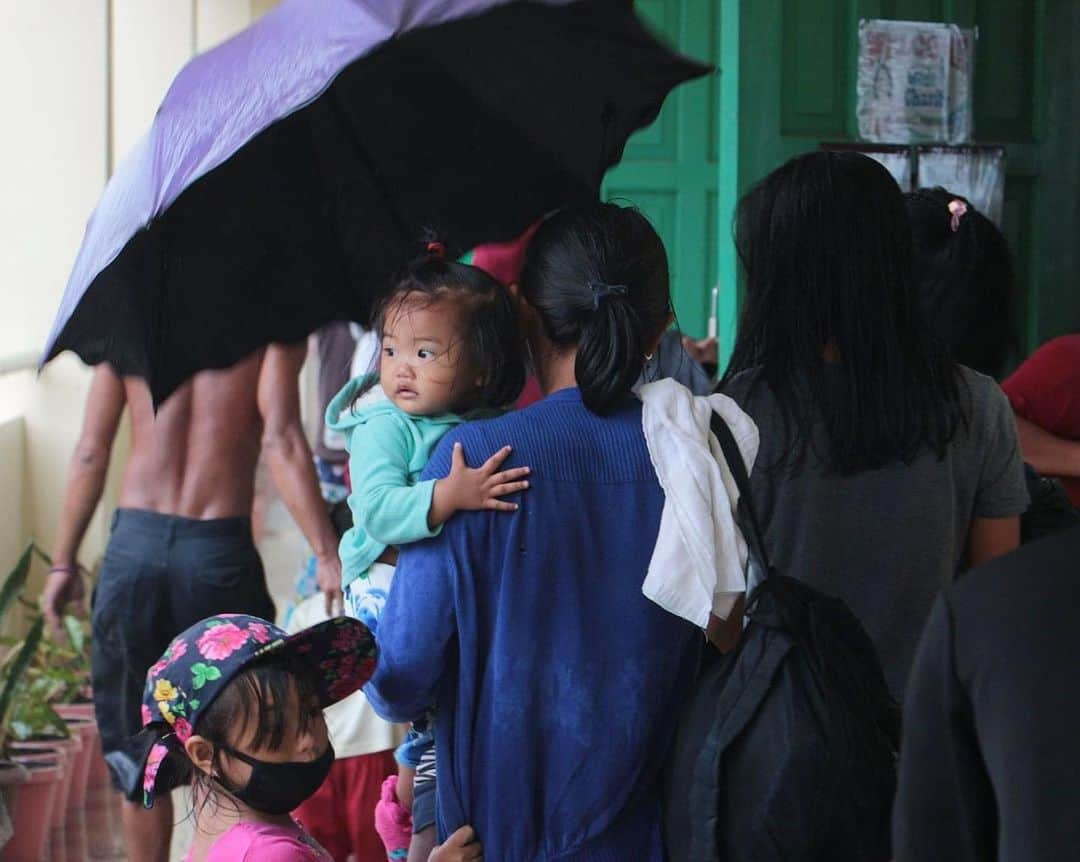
(278, 788)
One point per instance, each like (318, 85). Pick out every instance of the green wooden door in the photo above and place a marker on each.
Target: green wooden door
(797, 88)
(669, 170)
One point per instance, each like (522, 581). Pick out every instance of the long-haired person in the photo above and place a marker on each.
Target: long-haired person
(884, 468)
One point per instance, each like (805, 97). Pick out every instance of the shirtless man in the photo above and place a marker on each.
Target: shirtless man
(181, 546)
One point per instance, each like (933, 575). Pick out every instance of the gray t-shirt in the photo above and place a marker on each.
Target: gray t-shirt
(887, 540)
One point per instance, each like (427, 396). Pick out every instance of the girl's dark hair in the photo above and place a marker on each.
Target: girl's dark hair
(826, 248)
(493, 337)
(261, 690)
(965, 280)
(598, 279)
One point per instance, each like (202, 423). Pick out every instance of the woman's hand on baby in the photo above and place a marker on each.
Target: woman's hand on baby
(468, 488)
(462, 846)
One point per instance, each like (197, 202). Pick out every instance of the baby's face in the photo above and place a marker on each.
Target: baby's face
(423, 366)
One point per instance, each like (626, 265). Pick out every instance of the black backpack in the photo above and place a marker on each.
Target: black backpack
(787, 747)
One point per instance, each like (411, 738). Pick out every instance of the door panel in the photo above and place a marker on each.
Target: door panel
(797, 88)
(670, 169)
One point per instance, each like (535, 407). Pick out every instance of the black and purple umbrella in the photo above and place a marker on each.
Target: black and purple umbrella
(290, 171)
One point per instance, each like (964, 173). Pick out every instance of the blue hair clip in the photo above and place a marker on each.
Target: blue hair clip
(600, 290)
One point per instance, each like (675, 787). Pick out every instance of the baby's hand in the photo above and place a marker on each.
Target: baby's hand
(467, 488)
(462, 846)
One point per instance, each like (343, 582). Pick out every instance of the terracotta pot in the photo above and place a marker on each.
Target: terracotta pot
(33, 812)
(29, 753)
(72, 749)
(12, 775)
(76, 710)
(86, 730)
(75, 825)
(101, 825)
(33, 753)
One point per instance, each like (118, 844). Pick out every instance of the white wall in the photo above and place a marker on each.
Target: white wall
(152, 39)
(52, 154)
(70, 113)
(217, 20)
(12, 526)
(52, 169)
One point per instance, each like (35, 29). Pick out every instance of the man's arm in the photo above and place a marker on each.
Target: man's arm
(86, 482)
(1049, 454)
(291, 466)
(992, 537)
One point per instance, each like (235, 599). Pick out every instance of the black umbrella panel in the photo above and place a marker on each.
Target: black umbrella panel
(202, 251)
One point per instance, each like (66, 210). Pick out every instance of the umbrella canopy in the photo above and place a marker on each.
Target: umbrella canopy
(290, 171)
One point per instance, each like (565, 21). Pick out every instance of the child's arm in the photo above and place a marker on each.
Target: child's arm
(469, 489)
(462, 846)
(384, 505)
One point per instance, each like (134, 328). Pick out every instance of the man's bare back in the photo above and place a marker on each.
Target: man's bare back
(196, 457)
(181, 547)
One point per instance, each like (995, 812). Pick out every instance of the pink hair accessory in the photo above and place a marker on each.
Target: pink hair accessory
(957, 208)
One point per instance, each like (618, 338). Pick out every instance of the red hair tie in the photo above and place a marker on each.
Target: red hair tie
(436, 249)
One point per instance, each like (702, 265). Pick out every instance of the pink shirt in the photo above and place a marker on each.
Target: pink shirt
(265, 842)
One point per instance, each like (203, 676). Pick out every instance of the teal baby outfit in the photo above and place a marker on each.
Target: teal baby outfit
(388, 449)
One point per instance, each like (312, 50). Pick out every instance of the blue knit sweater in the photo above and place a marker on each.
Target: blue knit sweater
(556, 683)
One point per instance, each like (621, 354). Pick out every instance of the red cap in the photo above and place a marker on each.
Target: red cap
(504, 260)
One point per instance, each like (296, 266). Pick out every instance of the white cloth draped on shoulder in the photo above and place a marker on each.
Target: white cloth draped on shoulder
(699, 564)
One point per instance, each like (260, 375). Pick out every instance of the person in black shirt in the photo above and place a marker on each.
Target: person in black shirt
(990, 760)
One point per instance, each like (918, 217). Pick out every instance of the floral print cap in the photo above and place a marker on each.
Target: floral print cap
(201, 661)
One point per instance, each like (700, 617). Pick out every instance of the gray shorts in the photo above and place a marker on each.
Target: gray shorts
(423, 807)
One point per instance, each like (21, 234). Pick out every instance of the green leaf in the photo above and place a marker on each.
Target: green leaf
(15, 581)
(19, 667)
(194, 704)
(54, 721)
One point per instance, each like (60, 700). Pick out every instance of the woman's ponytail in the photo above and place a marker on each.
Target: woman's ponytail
(598, 280)
(609, 354)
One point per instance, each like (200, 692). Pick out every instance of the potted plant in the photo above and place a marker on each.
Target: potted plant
(12, 775)
(32, 734)
(58, 686)
(32, 808)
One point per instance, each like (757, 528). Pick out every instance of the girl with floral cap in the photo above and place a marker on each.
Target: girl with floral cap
(235, 705)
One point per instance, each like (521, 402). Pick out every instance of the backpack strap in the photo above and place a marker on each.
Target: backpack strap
(747, 516)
